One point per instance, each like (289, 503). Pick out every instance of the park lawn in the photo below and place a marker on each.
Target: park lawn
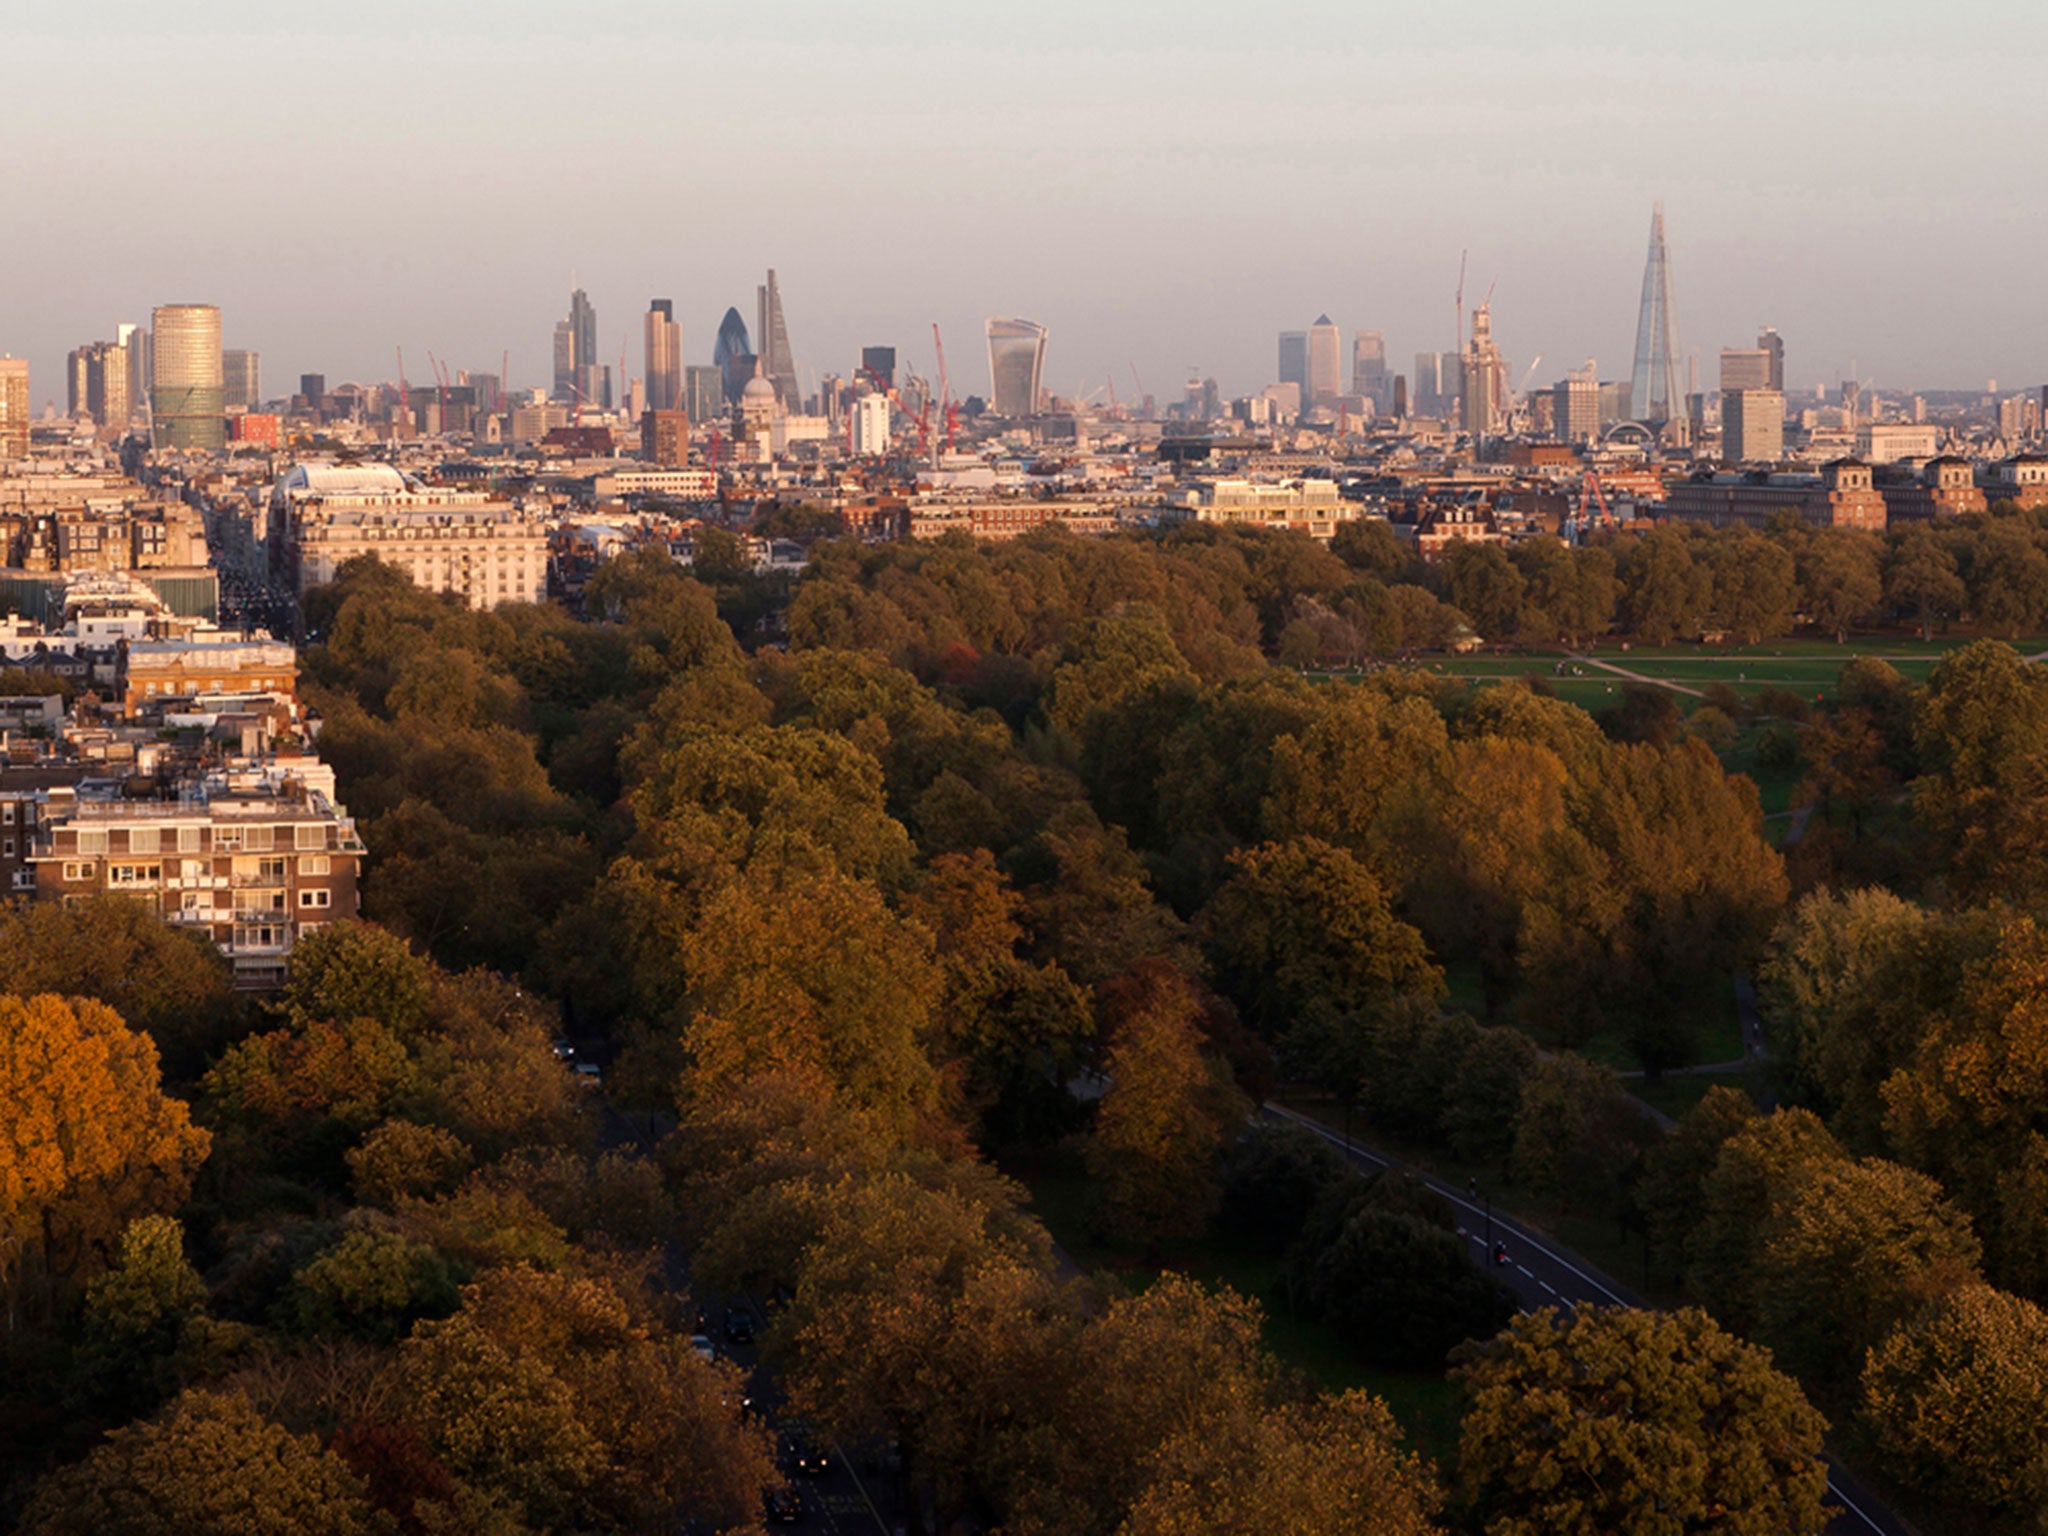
(1424, 1403)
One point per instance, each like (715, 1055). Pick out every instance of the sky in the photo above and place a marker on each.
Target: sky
(1165, 186)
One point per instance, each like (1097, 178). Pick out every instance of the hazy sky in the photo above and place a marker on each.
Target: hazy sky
(1165, 185)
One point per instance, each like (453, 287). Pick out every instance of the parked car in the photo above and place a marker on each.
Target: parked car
(702, 1344)
(739, 1325)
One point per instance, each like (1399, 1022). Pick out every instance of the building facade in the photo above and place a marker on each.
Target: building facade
(1325, 362)
(241, 380)
(14, 408)
(186, 394)
(1016, 365)
(664, 357)
(1752, 426)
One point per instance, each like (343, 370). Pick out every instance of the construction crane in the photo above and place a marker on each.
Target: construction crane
(440, 387)
(947, 408)
(404, 394)
(1591, 495)
(1530, 374)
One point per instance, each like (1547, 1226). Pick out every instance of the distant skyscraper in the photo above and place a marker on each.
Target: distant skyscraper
(1369, 366)
(878, 366)
(664, 357)
(778, 362)
(1752, 426)
(313, 386)
(241, 375)
(1485, 391)
(871, 424)
(99, 385)
(1325, 361)
(1745, 368)
(1771, 343)
(733, 356)
(13, 408)
(1575, 407)
(1294, 360)
(185, 390)
(565, 360)
(1016, 361)
(703, 392)
(1654, 394)
(577, 377)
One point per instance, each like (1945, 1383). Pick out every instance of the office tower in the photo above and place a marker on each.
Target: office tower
(664, 357)
(1485, 384)
(313, 386)
(871, 424)
(878, 367)
(1852, 399)
(98, 377)
(1400, 395)
(1772, 343)
(703, 392)
(1294, 360)
(1325, 361)
(75, 372)
(241, 375)
(1752, 426)
(733, 354)
(1429, 384)
(1653, 388)
(1369, 366)
(583, 322)
(185, 378)
(1016, 361)
(13, 408)
(1745, 368)
(565, 360)
(141, 364)
(778, 363)
(665, 438)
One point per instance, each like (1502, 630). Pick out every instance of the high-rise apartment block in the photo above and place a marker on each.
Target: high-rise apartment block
(241, 376)
(1016, 364)
(1325, 362)
(1752, 426)
(664, 358)
(665, 438)
(1575, 406)
(13, 408)
(871, 425)
(187, 408)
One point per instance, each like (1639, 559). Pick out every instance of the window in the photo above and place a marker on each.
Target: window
(188, 841)
(320, 898)
(77, 871)
(314, 836)
(133, 874)
(143, 839)
(7, 813)
(92, 840)
(256, 839)
(314, 866)
(226, 839)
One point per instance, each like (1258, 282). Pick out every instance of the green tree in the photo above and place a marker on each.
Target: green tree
(1486, 585)
(401, 1160)
(1273, 1175)
(1841, 584)
(1920, 579)
(1612, 1422)
(1578, 1136)
(1162, 1124)
(1957, 1398)
(1982, 732)
(1855, 1250)
(1665, 593)
(1299, 1470)
(1405, 1292)
(1672, 1192)
(373, 1284)
(1756, 1173)
(208, 1465)
(136, 1315)
(1755, 592)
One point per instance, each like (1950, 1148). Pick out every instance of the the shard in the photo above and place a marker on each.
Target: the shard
(778, 363)
(1654, 394)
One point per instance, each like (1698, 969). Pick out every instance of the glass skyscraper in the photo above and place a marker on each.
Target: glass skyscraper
(185, 394)
(1016, 361)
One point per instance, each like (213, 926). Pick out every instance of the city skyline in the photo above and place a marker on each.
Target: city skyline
(1006, 176)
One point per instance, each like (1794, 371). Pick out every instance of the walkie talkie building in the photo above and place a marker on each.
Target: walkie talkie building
(1016, 362)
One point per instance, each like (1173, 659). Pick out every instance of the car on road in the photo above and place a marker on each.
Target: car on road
(588, 1075)
(783, 1506)
(739, 1325)
(807, 1454)
(702, 1344)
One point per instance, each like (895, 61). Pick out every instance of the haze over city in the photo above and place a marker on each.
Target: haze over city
(1164, 187)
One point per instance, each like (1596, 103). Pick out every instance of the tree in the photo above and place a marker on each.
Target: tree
(400, 1160)
(88, 1140)
(1755, 593)
(1671, 1194)
(1855, 1250)
(1577, 1134)
(1273, 1175)
(1982, 733)
(1304, 924)
(1166, 1114)
(209, 1465)
(1369, 544)
(1335, 1464)
(1665, 593)
(1840, 583)
(1404, 1291)
(1920, 579)
(1482, 1104)
(812, 975)
(136, 1315)
(1486, 585)
(1756, 1172)
(358, 971)
(1957, 1398)
(1613, 1422)
(166, 981)
(373, 1284)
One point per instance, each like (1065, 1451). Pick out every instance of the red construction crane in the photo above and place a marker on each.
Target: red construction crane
(945, 388)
